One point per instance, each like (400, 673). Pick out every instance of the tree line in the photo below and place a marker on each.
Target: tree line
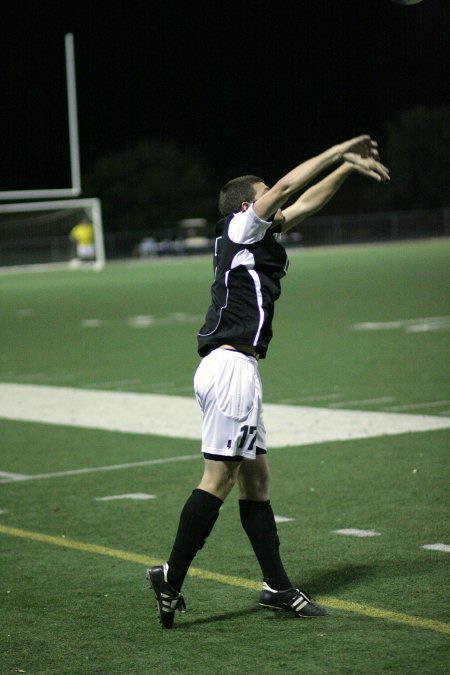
(155, 184)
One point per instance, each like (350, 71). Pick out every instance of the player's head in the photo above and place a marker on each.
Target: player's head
(237, 192)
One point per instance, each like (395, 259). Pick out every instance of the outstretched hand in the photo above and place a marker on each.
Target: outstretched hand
(361, 145)
(362, 153)
(367, 166)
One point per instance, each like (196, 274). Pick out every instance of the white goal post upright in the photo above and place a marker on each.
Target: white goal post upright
(75, 189)
(91, 206)
(73, 117)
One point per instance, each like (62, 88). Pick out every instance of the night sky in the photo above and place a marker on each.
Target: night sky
(251, 86)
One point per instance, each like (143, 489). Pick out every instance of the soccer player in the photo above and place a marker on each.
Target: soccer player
(248, 265)
(83, 235)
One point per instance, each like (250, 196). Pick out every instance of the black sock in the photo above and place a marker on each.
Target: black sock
(197, 519)
(258, 522)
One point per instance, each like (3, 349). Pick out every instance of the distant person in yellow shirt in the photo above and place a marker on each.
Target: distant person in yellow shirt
(83, 236)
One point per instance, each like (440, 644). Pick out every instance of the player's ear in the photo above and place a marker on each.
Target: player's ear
(245, 206)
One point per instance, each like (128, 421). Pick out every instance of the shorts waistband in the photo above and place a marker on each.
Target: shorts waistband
(247, 350)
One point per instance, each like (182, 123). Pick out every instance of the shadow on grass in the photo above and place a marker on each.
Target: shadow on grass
(322, 583)
(225, 616)
(404, 571)
(339, 577)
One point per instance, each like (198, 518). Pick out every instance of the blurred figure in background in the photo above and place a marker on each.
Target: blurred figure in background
(83, 237)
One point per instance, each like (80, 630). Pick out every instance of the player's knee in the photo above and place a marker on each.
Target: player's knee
(226, 481)
(219, 479)
(256, 488)
(254, 495)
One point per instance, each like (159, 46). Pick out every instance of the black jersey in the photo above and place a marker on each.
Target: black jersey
(247, 273)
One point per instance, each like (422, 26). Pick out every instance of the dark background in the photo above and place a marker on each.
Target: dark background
(252, 86)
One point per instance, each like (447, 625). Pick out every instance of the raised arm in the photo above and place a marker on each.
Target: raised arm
(319, 194)
(353, 150)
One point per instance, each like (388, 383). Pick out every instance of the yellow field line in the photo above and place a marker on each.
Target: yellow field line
(334, 603)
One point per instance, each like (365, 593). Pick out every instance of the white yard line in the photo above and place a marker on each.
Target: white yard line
(366, 401)
(420, 325)
(11, 476)
(16, 477)
(311, 399)
(179, 416)
(355, 532)
(112, 383)
(417, 406)
(139, 496)
(437, 547)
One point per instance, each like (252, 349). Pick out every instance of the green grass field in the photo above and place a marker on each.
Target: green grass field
(358, 328)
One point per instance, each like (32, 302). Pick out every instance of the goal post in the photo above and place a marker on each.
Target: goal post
(75, 188)
(60, 233)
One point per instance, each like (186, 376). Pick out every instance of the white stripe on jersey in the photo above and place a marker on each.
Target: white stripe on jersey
(216, 250)
(246, 259)
(259, 299)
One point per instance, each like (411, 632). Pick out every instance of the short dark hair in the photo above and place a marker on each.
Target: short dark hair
(236, 191)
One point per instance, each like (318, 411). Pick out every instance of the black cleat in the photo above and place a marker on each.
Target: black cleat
(167, 598)
(292, 600)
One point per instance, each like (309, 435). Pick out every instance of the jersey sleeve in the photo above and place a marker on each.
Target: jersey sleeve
(246, 227)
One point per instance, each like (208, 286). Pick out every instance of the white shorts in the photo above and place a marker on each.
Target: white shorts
(228, 388)
(85, 251)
